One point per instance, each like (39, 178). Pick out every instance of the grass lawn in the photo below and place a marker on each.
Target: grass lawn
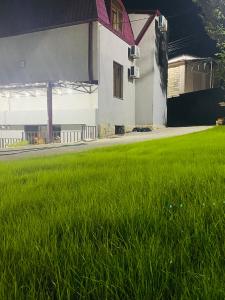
(141, 221)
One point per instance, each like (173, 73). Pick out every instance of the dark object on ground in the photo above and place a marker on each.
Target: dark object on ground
(120, 130)
(142, 129)
(220, 121)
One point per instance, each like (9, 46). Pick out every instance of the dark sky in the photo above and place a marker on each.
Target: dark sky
(184, 23)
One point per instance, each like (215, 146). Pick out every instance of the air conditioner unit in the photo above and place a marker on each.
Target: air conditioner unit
(163, 24)
(134, 72)
(134, 52)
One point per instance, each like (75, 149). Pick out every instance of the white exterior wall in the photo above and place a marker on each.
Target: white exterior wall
(11, 134)
(113, 111)
(50, 55)
(77, 108)
(150, 98)
(144, 85)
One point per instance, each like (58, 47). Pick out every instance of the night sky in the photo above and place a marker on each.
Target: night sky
(184, 23)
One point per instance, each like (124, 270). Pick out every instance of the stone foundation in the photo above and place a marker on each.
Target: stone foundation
(108, 130)
(105, 130)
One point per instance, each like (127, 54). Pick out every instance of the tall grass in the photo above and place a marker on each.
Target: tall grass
(142, 221)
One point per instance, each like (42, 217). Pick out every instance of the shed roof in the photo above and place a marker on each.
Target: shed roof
(184, 57)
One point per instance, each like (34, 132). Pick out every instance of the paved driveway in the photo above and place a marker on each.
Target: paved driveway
(46, 150)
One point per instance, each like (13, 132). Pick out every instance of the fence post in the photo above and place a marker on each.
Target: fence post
(82, 132)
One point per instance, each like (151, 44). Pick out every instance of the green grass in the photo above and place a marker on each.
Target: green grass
(142, 221)
(18, 144)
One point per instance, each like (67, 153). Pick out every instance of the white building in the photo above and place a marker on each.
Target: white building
(63, 67)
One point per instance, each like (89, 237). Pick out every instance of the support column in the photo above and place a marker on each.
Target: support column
(49, 108)
(90, 52)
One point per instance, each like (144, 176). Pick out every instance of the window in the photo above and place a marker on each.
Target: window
(117, 80)
(117, 16)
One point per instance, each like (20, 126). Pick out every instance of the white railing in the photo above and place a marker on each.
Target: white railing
(89, 133)
(86, 133)
(70, 137)
(5, 142)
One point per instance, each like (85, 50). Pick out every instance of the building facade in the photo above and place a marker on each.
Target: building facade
(190, 74)
(77, 65)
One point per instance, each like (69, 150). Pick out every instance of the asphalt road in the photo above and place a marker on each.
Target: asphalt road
(48, 150)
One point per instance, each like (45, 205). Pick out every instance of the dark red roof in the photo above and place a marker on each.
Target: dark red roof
(127, 34)
(23, 16)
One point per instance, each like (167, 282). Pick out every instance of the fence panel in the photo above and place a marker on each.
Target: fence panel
(196, 108)
(70, 137)
(86, 133)
(5, 142)
(89, 133)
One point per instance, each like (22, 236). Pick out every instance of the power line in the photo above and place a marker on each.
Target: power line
(188, 37)
(128, 22)
(146, 18)
(183, 42)
(176, 44)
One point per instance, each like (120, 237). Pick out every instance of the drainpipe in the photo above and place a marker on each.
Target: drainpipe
(49, 109)
(90, 52)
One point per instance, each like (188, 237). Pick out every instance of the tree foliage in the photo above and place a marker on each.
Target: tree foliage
(213, 15)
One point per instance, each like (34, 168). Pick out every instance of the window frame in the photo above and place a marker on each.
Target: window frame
(117, 16)
(118, 79)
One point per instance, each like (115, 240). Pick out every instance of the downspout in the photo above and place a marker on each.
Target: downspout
(50, 113)
(91, 64)
(90, 52)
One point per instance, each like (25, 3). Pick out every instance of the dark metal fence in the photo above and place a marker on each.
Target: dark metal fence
(197, 108)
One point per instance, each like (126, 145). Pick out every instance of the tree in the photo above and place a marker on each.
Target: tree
(213, 15)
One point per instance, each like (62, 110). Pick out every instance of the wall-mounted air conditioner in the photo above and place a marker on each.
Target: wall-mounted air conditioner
(163, 24)
(134, 72)
(134, 52)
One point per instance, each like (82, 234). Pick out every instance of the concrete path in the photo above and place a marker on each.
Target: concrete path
(56, 149)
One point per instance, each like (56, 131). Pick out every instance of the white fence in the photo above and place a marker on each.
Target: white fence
(70, 137)
(5, 142)
(89, 133)
(10, 137)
